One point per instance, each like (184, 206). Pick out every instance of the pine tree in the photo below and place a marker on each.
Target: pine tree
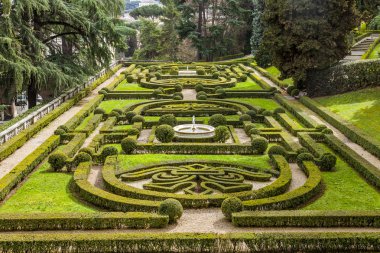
(257, 25)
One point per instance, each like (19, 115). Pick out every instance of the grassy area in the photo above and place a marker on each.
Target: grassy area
(108, 105)
(361, 108)
(125, 86)
(84, 122)
(346, 190)
(375, 54)
(268, 104)
(44, 191)
(247, 85)
(276, 73)
(122, 127)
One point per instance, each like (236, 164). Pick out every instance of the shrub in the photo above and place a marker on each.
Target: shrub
(327, 131)
(215, 75)
(260, 110)
(129, 116)
(176, 97)
(158, 75)
(59, 131)
(320, 127)
(168, 119)
(82, 157)
(199, 87)
(304, 157)
(231, 205)
(302, 150)
(133, 131)
(260, 144)
(130, 79)
(254, 131)
(99, 111)
(174, 72)
(119, 111)
(243, 78)
(65, 128)
(245, 117)
(102, 92)
(248, 127)
(87, 150)
(327, 162)
(251, 113)
(114, 114)
(157, 92)
(129, 145)
(221, 92)
(138, 118)
(165, 133)
(171, 208)
(277, 150)
(202, 97)
(217, 120)
(290, 89)
(295, 92)
(201, 71)
(178, 87)
(201, 93)
(57, 160)
(267, 113)
(279, 110)
(108, 151)
(222, 134)
(178, 94)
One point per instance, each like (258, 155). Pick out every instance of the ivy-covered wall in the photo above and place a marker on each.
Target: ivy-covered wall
(344, 78)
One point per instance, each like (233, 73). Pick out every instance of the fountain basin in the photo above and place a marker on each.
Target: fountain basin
(194, 131)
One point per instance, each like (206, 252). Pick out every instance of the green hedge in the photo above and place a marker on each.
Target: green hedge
(76, 221)
(196, 148)
(191, 242)
(300, 218)
(353, 133)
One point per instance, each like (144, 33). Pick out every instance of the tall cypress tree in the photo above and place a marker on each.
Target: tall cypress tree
(257, 25)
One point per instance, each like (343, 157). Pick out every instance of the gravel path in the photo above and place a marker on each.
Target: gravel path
(243, 137)
(189, 94)
(9, 163)
(144, 136)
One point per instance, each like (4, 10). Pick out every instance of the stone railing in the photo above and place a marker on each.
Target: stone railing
(33, 117)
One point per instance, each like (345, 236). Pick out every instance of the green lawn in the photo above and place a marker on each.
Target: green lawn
(247, 85)
(84, 122)
(276, 73)
(375, 54)
(268, 104)
(44, 191)
(108, 105)
(125, 86)
(361, 108)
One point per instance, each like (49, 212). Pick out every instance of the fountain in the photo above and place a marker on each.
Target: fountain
(187, 72)
(194, 131)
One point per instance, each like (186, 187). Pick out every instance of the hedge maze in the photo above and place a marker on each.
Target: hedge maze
(269, 164)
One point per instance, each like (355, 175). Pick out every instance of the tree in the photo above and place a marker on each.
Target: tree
(305, 36)
(257, 25)
(367, 9)
(148, 11)
(150, 37)
(170, 37)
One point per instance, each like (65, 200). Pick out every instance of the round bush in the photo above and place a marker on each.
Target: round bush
(129, 145)
(290, 89)
(243, 78)
(245, 117)
(201, 72)
(157, 92)
(158, 75)
(57, 160)
(129, 116)
(168, 119)
(133, 131)
(114, 114)
(248, 127)
(59, 131)
(267, 113)
(277, 150)
(327, 131)
(178, 94)
(119, 111)
(174, 72)
(304, 157)
(260, 110)
(202, 97)
(231, 205)
(222, 134)
(251, 113)
(106, 89)
(215, 75)
(108, 151)
(217, 120)
(82, 157)
(254, 131)
(171, 208)
(201, 93)
(99, 111)
(327, 162)
(199, 87)
(295, 92)
(65, 128)
(138, 118)
(178, 87)
(87, 150)
(176, 97)
(279, 110)
(165, 133)
(102, 92)
(130, 79)
(260, 144)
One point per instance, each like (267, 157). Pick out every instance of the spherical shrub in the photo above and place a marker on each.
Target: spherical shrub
(295, 92)
(290, 89)
(168, 119)
(178, 94)
(260, 110)
(158, 75)
(248, 127)
(129, 116)
(59, 131)
(201, 72)
(327, 131)
(173, 72)
(114, 114)
(129, 145)
(231, 205)
(251, 113)
(133, 132)
(277, 150)
(102, 92)
(87, 150)
(199, 87)
(138, 118)
(157, 92)
(222, 134)
(279, 110)
(176, 97)
(254, 131)
(119, 111)
(243, 78)
(267, 113)
(260, 144)
(108, 151)
(202, 97)
(245, 117)
(106, 89)
(82, 157)
(304, 157)
(221, 92)
(215, 75)
(165, 133)
(65, 128)
(327, 162)
(57, 160)
(130, 79)
(201, 93)
(99, 111)
(171, 208)
(217, 120)
(178, 87)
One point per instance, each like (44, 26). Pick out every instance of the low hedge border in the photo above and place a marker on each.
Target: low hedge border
(81, 221)
(191, 242)
(195, 148)
(353, 133)
(301, 218)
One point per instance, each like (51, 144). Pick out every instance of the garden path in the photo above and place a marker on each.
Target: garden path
(189, 94)
(9, 163)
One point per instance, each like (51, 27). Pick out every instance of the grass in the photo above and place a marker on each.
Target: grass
(273, 71)
(361, 108)
(267, 104)
(44, 191)
(108, 105)
(375, 54)
(346, 190)
(84, 122)
(247, 85)
(125, 86)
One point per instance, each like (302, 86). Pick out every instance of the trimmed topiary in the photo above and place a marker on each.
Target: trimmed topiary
(248, 127)
(59, 131)
(130, 79)
(302, 150)
(251, 113)
(222, 134)
(304, 157)
(157, 92)
(290, 89)
(245, 117)
(99, 111)
(165, 133)
(279, 110)
(199, 87)
(108, 151)
(129, 145)
(295, 92)
(129, 116)
(178, 94)
(320, 127)
(231, 205)
(168, 119)
(201, 93)
(217, 120)
(65, 128)
(221, 92)
(133, 131)
(171, 208)
(176, 97)
(82, 157)
(178, 87)
(114, 114)
(254, 131)
(57, 160)
(137, 118)
(243, 78)
(327, 131)
(215, 74)
(277, 150)
(202, 97)
(259, 144)
(267, 113)
(87, 150)
(102, 92)
(327, 162)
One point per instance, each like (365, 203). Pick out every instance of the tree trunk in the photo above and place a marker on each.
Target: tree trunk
(14, 108)
(32, 94)
(199, 28)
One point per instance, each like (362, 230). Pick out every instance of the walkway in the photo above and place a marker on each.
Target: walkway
(189, 94)
(360, 48)
(9, 163)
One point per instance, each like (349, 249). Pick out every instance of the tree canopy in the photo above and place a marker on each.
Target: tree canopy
(148, 11)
